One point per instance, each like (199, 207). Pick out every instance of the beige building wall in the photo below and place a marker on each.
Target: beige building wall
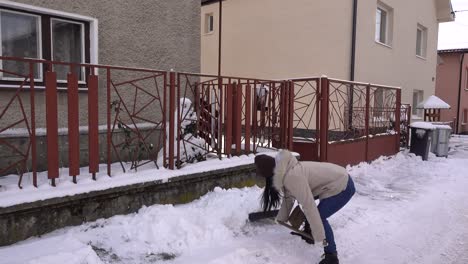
(285, 39)
(277, 39)
(397, 63)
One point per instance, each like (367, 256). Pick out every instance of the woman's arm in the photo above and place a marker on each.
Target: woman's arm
(298, 186)
(286, 206)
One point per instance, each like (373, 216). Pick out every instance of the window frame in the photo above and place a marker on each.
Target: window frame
(209, 23)
(388, 25)
(423, 43)
(464, 119)
(91, 39)
(379, 102)
(415, 111)
(466, 79)
(83, 46)
(39, 41)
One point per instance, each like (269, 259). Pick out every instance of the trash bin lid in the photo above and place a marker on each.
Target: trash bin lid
(443, 127)
(423, 125)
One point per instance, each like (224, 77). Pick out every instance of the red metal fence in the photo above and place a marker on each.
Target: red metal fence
(167, 118)
(339, 121)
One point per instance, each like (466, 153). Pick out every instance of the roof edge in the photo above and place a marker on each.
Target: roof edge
(464, 50)
(209, 2)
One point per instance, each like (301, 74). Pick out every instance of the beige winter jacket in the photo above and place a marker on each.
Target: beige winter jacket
(304, 181)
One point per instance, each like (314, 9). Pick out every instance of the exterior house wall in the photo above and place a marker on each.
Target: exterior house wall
(151, 34)
(397, 64)
(447, 86)
(274, 40)
(278, 39)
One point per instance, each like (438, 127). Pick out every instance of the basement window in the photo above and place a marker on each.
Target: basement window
(418, 96)
(209, 23)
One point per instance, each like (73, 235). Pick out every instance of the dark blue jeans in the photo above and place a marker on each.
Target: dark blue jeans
(327, 207)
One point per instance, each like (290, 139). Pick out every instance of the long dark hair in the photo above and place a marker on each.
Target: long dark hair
(271, 196)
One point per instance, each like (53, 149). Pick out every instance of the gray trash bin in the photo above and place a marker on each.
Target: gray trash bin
(421, 138)
(440, 140)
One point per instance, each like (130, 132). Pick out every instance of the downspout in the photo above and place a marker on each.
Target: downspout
(220, 25)
(353, 62)
(353, 41)
(459, 91)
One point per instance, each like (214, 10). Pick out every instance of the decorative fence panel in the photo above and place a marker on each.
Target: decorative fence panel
(358, 116)
(56, 115)
(306, 121)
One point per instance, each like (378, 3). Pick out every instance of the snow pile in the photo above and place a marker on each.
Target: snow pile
(433, 102)
(405, 211)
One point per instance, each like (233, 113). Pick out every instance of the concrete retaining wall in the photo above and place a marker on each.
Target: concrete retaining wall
(33, 219)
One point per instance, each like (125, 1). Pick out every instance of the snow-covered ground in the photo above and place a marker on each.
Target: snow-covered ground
(405, 211)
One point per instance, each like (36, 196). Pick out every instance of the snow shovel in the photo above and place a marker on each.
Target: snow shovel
(296, 219)
(262, 215)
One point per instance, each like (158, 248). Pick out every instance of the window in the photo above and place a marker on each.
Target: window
(209, 23)
(465, 116)
(67, 45)
(20, 37)
(378, 102)
(421, 41)
(466, 79)
(383, 24)
(42, 36)
(418, 96)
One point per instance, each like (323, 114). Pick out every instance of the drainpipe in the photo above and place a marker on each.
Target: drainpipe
(353, 41)
(353, 62)
(459, 91)
(220, 30)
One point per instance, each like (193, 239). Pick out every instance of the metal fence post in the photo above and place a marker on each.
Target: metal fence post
(220, 117)
(73, 125)
(109, 135)
(291, 116)
(52, 126)
(248, 115)
(366, 124)
(324, 101)
(33, 124)
(238, 119)
(397, 119)
(178, 121)
(171, 118)
(228, 119)
(93, 123)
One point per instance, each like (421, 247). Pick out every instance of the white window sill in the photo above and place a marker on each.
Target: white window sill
(421, 57)
(37, 87)
(383, 44)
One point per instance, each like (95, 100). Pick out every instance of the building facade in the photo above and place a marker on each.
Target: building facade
(392, 42)
(452, 87)
(150, 34)
(161, 35)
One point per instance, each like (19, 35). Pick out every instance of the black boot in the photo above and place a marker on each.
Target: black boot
(329, 258)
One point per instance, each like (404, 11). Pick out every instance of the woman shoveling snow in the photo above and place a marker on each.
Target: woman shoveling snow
(306, 181)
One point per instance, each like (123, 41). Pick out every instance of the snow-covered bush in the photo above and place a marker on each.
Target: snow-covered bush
(192, 147)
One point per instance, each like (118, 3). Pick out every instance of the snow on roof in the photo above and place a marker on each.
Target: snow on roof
(423, 125)
(433, 102)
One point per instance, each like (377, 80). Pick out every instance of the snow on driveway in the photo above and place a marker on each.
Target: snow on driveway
(405, 211)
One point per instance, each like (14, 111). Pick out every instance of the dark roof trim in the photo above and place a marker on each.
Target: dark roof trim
(453, 51)
(207, 2)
